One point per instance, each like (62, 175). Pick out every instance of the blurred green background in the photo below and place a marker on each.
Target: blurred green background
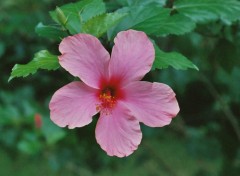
(203, 140)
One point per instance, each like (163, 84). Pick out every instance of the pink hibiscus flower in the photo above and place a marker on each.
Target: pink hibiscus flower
(112, 87)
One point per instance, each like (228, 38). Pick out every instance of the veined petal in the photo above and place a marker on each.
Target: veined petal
(84, 56)
(118, 133)
(73, 105)
(132, 56)
(154, 104)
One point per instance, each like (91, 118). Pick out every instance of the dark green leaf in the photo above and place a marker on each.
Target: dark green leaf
(99, 25)
(52, 32)
(164, 24)
(78, 13)
(173, 59)
(140, 2)
(153, 19)
(205, 10)
(42, 60)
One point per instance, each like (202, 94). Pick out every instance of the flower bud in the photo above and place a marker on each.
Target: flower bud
(61, 17)
(38, 120)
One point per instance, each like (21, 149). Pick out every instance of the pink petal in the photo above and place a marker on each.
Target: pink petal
(84, 56)
(154, 104)
(118, 133)
(73, 105)
(132, 56)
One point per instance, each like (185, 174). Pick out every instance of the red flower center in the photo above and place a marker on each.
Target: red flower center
(108, 95)
(108, 98)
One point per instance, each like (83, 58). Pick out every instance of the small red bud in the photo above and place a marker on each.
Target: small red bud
(38, 120)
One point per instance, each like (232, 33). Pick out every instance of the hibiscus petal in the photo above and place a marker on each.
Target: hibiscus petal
(154, 104)
(73, 105)
(118, 133)
(132, 56)
(84, 56)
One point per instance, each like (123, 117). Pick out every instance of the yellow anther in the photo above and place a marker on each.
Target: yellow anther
(107, 102)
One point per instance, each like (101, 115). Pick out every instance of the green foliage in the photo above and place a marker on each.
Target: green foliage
(51, 32)
(205, 10)
(165, 24)
(29, 144)
(226, 54)
(232, 80)
(77, 13)
(173, 59)
(2, 49)
(32, 139)
(42, 60)
(61, 18)
(140, 2)
(99, 25)
(154, 20)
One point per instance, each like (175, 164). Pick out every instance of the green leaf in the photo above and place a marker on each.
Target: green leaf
(173, 59)
(99, 25)
(78, 13)
(205, 10)
(42, 60)
(154, 20)
(140, 2)
(164, 24)
(52, 32)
